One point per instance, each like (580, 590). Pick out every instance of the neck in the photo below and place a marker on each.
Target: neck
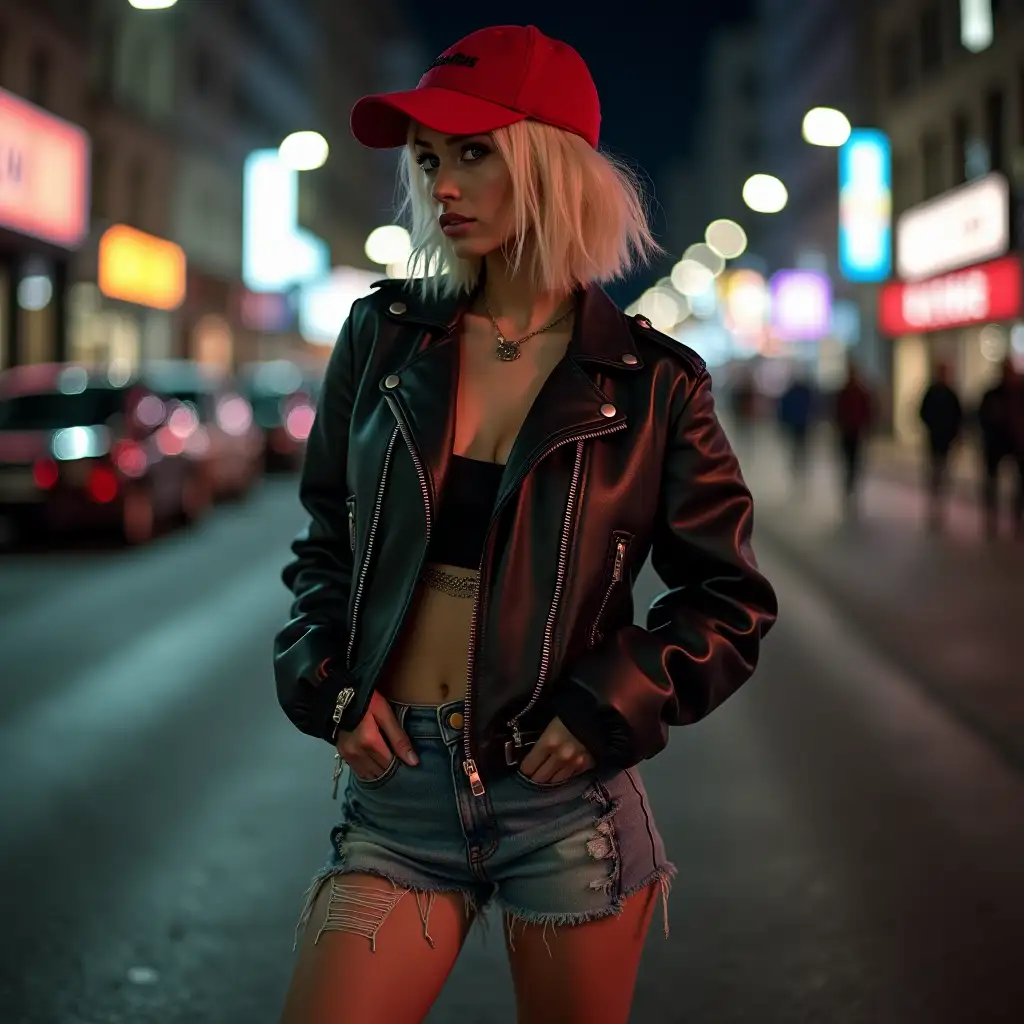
(516, 301)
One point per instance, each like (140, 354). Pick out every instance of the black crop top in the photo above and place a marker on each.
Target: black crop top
(470, 490)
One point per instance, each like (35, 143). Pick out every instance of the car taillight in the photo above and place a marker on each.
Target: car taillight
(102, 484)
(130, 459)
(45, 474)
(299, 422)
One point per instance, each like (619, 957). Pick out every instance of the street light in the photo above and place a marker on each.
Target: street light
(152, 5)
(824, 126)
(764, 193)
(388, 245)
(304, 151)
(727, 238)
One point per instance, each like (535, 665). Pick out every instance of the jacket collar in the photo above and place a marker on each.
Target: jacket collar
(570, 404)
(601, 334)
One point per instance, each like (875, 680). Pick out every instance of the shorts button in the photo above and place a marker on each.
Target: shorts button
(455, 720)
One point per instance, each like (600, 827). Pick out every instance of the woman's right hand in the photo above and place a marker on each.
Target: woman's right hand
(370, 746)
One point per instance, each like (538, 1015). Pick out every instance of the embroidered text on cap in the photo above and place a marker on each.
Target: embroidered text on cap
(461, 59)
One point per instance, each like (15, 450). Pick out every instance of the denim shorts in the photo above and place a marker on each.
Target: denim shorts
(552, 854)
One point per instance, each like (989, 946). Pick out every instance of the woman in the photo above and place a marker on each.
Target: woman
(496, 451)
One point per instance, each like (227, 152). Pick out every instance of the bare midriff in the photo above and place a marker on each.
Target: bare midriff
(430, 660)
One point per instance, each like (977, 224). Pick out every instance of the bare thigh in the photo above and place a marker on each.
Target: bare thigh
(584, 973)
(342, 974)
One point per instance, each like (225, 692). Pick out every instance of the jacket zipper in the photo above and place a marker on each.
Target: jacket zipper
(346, 695)
(469, 765)
(620, 558)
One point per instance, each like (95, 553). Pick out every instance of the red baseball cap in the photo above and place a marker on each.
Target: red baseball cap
(491, 79)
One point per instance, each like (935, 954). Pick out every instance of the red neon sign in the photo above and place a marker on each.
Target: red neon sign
(974, 295)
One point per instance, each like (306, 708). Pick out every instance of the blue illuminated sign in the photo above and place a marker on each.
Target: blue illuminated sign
(865, 206)
(276, 253)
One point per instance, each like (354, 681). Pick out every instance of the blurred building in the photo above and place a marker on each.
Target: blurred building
(152, 115)
(817, 54)
(950, 93)
(129, 274)
(44, 171)
(726, 147)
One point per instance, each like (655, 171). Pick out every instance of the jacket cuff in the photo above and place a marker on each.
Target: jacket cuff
(600, 729)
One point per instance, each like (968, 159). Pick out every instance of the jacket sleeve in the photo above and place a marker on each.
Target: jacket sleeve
(703, 635)
(309, 652)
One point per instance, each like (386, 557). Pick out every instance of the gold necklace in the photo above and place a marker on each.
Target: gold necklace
(507, 350)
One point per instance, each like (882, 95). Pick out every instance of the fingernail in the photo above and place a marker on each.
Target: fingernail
(412, 758)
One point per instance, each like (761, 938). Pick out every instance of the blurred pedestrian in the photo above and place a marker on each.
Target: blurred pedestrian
(496, 449)
(941, 413)
(1001, 423)
(854, 417)
(796, 416)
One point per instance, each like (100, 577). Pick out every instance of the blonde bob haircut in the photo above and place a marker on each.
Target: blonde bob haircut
(579, 215)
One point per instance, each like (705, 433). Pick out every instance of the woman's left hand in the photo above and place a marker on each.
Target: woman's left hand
(557, 756)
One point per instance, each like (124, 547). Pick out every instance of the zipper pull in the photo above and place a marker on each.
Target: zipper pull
(620, 557)
(475, 783)
(343, 701)
(339, 767)
(517, 736)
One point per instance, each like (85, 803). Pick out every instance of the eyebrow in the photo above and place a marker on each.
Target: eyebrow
(450, 141)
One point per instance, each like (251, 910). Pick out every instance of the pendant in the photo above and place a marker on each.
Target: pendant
(507, 351)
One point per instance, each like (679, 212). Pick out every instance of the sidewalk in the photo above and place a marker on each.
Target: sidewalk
(948, 608)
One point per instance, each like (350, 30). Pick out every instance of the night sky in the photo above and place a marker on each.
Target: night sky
(644, 64)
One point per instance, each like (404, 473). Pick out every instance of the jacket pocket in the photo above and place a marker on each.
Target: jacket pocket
(351, 503)
(620, 545)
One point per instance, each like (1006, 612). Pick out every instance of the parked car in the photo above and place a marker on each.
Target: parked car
(283, 398)
(214, 423)
(82, 449)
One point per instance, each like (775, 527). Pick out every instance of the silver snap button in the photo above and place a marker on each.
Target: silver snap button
(643, 321)
(392, 380)
(608, 410)
(398, 308)
(629, 359)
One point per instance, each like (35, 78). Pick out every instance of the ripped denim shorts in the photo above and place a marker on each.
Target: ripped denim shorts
(555, 855)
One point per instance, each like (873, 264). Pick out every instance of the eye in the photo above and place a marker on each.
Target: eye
(428, 161)
(474, 151)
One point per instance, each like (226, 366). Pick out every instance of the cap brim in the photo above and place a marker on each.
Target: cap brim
(382, 122)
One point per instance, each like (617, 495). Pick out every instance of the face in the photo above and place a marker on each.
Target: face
(471, 184)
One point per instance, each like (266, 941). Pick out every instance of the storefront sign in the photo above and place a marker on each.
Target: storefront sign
(140, 268)
(801, 305)
(990, 291)
(963, 227)
(865, 206)
(324, 305)
(276, 253)
(44, 174)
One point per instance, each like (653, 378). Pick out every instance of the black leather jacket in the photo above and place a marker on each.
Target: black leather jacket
(621, 455)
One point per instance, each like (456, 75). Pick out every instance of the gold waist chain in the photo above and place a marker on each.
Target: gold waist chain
(449, 583)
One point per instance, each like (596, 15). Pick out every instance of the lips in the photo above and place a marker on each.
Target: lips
(449, 220)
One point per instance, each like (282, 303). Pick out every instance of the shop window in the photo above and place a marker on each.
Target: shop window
(900, 64)
(961, 139)
(138, 187)
(39, 78)
(100, 170)
(995, 117)
(933, 164)
(931, 37)
(202, 72)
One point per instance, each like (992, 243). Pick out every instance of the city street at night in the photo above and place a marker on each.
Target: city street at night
(849, 842)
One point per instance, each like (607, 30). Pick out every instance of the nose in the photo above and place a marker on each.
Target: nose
(445, 189)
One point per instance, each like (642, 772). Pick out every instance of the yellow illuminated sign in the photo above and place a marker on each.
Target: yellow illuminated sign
(140, 268)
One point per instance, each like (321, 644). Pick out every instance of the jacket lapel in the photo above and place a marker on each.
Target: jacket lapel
(570, 406)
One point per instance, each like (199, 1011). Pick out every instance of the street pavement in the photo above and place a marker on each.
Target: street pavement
(849, 845)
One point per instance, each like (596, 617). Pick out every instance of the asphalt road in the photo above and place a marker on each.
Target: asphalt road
(848, 851)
